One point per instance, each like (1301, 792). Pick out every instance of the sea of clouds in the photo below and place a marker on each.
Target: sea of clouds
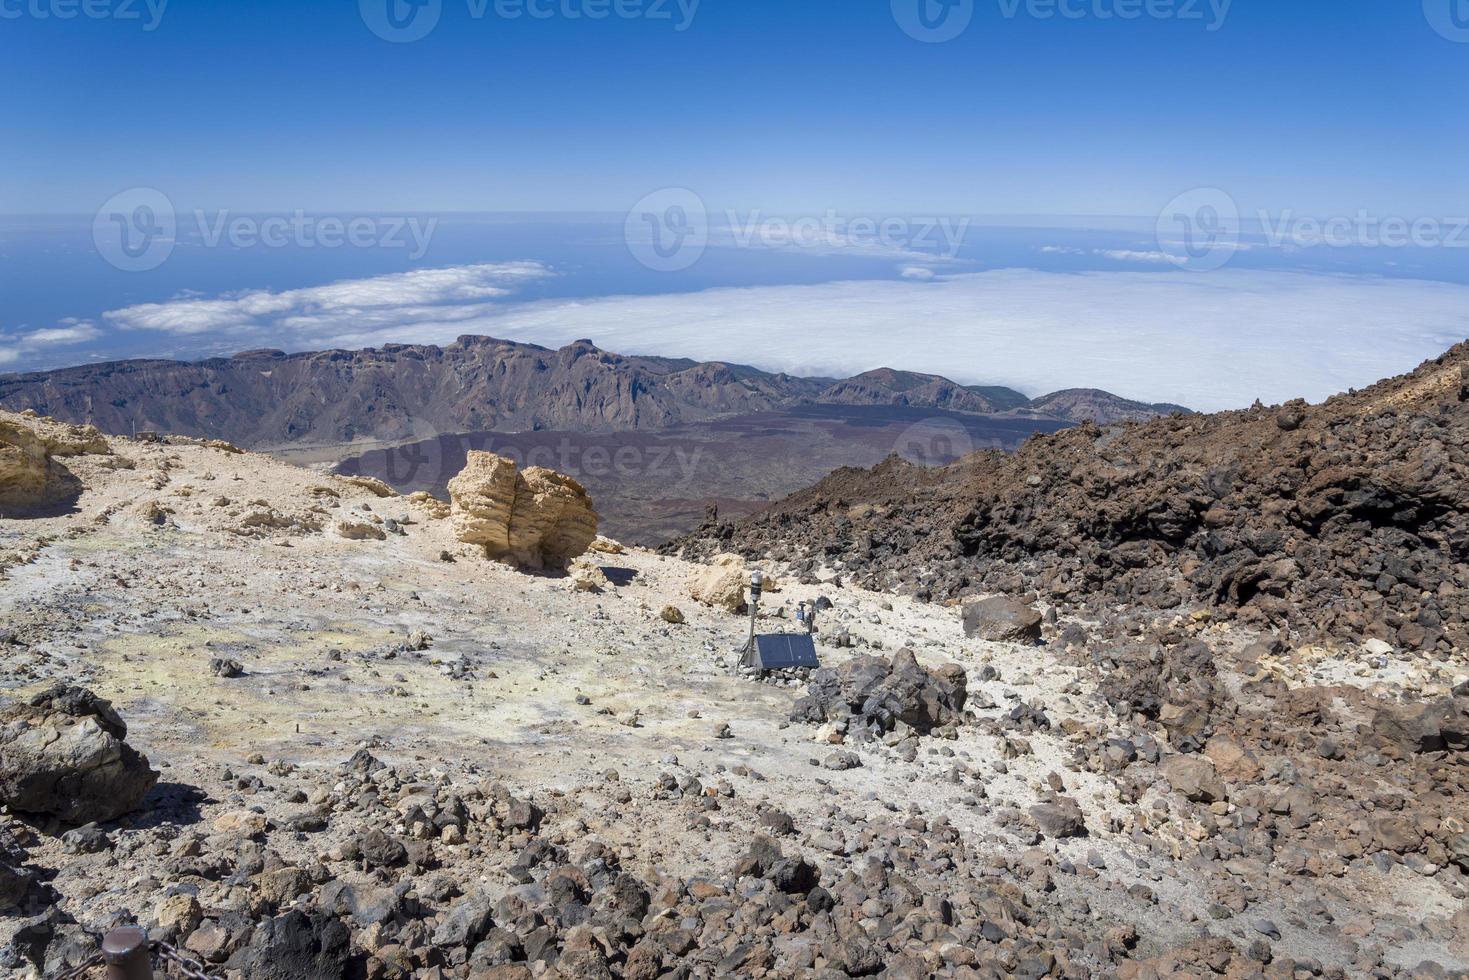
(1211, 340)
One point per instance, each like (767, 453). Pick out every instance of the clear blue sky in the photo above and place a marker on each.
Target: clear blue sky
(1324, 106)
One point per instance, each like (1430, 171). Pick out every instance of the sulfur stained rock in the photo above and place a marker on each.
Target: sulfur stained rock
(30, 448)
(360, 531)
(588, 577)
(537, 518)
(722, 584)
(435, 508)
(607, 546)
(372, 485)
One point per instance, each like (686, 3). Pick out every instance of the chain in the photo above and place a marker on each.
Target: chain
(192, 969)
(94, 960)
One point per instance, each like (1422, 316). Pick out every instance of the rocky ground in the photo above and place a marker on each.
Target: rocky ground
(380, 754)
(1344, 521)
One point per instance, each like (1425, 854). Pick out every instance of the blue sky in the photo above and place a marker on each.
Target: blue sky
(1073, 158)
(1323, 106)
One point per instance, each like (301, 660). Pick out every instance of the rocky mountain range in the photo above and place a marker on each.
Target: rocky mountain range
(271, 400)
(1349, 519)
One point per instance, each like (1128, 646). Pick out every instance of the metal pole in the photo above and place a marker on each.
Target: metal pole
(125, 951)
(756, 581)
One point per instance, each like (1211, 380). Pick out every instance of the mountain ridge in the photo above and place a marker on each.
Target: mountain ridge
(270, 399)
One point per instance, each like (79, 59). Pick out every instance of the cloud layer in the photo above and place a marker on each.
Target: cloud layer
(68, 333)
(1207, 340)
(337, 310)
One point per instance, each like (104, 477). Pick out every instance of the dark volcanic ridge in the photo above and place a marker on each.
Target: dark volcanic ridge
(399, 393)
(1347, 520)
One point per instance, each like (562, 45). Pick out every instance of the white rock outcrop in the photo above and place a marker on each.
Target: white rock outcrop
(537, 518)
(30, 446)
(722, 584)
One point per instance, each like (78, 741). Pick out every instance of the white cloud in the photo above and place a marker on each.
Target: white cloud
(1128, 255)
(75, 333)
(70, 331)
(400, 298)
(917, 272)
(1207, 340)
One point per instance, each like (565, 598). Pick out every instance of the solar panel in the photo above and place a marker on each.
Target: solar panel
(779, 651)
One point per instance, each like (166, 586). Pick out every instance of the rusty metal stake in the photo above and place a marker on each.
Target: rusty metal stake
(125, 951)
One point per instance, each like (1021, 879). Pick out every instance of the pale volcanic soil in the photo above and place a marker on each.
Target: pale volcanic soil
(195, 554)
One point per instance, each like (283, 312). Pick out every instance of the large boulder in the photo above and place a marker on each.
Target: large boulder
(30, 447)
(1001, 620)
(876, 694)
(1427, 726)
(721, 584)
(296, 945)
(64, 754)
(1194, 777)
(537, 518)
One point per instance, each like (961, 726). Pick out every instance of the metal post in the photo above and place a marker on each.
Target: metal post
(125, 951)
(756, 582)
